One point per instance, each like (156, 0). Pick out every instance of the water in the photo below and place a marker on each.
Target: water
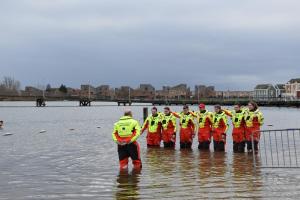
(82, 163)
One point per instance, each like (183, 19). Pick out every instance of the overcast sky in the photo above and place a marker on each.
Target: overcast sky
(231, 44)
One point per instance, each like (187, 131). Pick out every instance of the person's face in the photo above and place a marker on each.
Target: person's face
(250, 106)
(153, 111)
(217, 110)
(237, 108)
(166, 111)
(185, 110)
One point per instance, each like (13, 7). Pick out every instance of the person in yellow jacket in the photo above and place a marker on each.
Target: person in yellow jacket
(238, 131)
(168, 128)
(204, 119)
(187, 127)
(219, 128)
(153, 125)
(254, 120)
(126, 132)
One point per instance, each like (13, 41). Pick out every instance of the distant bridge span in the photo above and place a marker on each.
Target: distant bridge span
(208, 101)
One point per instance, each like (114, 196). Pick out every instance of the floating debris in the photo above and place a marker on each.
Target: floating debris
(42, 131)
(7, 134)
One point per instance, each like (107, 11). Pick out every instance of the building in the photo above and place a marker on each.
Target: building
(233, 94)
(104, 92)
(124, 92)
(32, 91)
(87, 91)
(145, 91)
(264, 92)
(280, 90)
(292, 88)
(180, 91)
(202, 91)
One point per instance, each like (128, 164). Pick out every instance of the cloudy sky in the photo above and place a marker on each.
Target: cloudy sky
(231, 44)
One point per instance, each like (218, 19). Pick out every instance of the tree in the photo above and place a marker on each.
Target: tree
(10, 83)
(63, 88)
(48, 87)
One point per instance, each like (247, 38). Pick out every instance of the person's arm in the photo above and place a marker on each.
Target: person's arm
(145, 125)
(227, 112)
(115, 133)
(137, 132)
(176, 114)
(260, 118)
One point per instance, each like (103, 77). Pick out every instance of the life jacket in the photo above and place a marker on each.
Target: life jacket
(203, 117)
(237, 118)
(166, 120)
(251, 115)
(126, 127)
(185, 119)
(153, 123)
(217, 117)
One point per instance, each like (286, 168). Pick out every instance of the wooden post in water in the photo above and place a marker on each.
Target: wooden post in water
(145, 113)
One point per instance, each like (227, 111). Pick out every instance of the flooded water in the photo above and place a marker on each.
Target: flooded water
(76, 159)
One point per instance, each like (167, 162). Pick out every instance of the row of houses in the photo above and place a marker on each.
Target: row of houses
(144, 91)
(289, 90)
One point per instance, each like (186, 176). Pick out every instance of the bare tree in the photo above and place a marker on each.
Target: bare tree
(11, 84)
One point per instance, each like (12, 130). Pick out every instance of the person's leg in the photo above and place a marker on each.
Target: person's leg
(249, 146)
(215, 145)
(134, 151)
(221, 146)
(241, 148)
(206, 145)
(123, 157)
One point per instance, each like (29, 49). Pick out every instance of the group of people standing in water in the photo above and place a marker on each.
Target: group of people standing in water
(208, 126)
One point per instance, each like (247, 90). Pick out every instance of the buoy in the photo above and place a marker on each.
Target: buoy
(42, 131)
(7, 134)
(71, 129)
(98, 126)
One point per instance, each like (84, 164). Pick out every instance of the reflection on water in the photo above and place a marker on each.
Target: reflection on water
(83, 163)
(127, 187)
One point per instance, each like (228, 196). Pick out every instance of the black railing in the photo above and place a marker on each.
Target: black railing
(278, 149)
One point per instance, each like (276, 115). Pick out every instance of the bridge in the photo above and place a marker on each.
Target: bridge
(84, 101)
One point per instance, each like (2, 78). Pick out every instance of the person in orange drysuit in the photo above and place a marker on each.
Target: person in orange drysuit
(219, 128)
(187, 127)
(126, 132)
(238, 131)
(168, 128)
(153, 125)
(204, 119)
(254, 120)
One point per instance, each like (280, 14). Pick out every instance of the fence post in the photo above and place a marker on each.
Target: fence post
(145, 113)
(253, 152)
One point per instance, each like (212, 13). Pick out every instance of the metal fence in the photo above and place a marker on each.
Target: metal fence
(278, 149)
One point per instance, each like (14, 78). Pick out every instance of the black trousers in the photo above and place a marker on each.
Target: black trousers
(219, 146)
(169, 144)
(239, 147)
(185, 145)
(204, 145)
(249, 146)
(129, 150)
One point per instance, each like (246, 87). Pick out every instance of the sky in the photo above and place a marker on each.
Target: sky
(231, 44)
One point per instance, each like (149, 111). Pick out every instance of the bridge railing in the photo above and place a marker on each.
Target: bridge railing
(278, 149)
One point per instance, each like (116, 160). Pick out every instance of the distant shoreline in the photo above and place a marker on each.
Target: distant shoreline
(208, 101)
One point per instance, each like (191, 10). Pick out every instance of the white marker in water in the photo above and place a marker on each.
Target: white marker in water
(7, 134)
(42, 131)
